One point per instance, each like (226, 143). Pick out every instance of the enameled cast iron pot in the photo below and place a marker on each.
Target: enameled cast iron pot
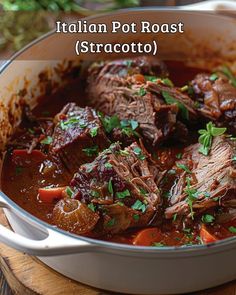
(116, 267)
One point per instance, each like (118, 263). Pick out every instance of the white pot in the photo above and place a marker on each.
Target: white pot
(116, 267)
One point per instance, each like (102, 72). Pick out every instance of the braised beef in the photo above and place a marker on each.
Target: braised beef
(119, 184)
(153, 105)
(78, 136)
(210, 181)
(216, 98)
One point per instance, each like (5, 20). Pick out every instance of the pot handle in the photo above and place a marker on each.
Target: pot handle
(54, 243)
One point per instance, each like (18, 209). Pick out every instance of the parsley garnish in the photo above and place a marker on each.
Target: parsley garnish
(124, 194)
(65, 124)
(232, 229)
(109, 123)
(138, 205)
(206, 136)
(110, 187)
(137, 150)
(234, 158)
(184, 88)
(167, 82)
(91, 151)
(93, 131)
(175, 216)
(183, 167)
(142, 91)
(94, 194)
(213, 77)
(69, 192)
(207, 218)
(179, 156)
(108, 165)
(18, 170)
(151, 78)
(228, 73)
(158, 245)
(92, 207)
(47, 140)
(123, 153)
(111, 222)
(191, 196)
(171, 100)
(136, 217)
(143, 191)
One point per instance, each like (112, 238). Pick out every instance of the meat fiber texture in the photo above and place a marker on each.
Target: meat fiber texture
(217, 99)
(121, 186)
(78, 136)
(212, 179)
(119, 87)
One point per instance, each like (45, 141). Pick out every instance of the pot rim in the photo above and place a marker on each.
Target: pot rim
(218, 245)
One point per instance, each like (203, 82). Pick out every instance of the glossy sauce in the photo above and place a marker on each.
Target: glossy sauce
(23, 176)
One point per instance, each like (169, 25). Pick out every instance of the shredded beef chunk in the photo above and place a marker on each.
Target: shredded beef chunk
(208, 181)
(78, 136)
(153, 102)
(119, 186)
(217, 99)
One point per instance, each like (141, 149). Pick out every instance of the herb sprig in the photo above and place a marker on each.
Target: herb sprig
(206, 137)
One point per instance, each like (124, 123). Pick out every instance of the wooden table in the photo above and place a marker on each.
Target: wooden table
(28, 276)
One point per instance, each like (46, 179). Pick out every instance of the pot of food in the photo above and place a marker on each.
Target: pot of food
(104, 176)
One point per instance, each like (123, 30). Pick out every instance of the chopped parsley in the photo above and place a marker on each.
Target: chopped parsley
(234, 158)
(65, 124)
(158, 244)
(151, 78)
(137, 150)
(171, 100)
(18, 170)
(111, 222)
(140, 206)
(232, 229)
(142, 91)
(143, 191)
(94, 194)
(47, 140)
(191, 196)
(136, 217)
(184, 88)
(206, 137)
(179, 156)
(110, 187)
(213, 77)
(207, 218)
(93, 131)
(91, 151)
(228, 73)
(167, 82)
(183, 167)
(134, 124)
(128, 63)
(124, 194)
(109, 123)
(69, 192)
(123, 153)
(31, 131)
(92, 207)
(108, 165)
(175, 217)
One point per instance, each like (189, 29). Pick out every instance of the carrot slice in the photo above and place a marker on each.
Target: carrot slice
(22, 157)
(205, 236)
(49, 195)
(147, 237)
